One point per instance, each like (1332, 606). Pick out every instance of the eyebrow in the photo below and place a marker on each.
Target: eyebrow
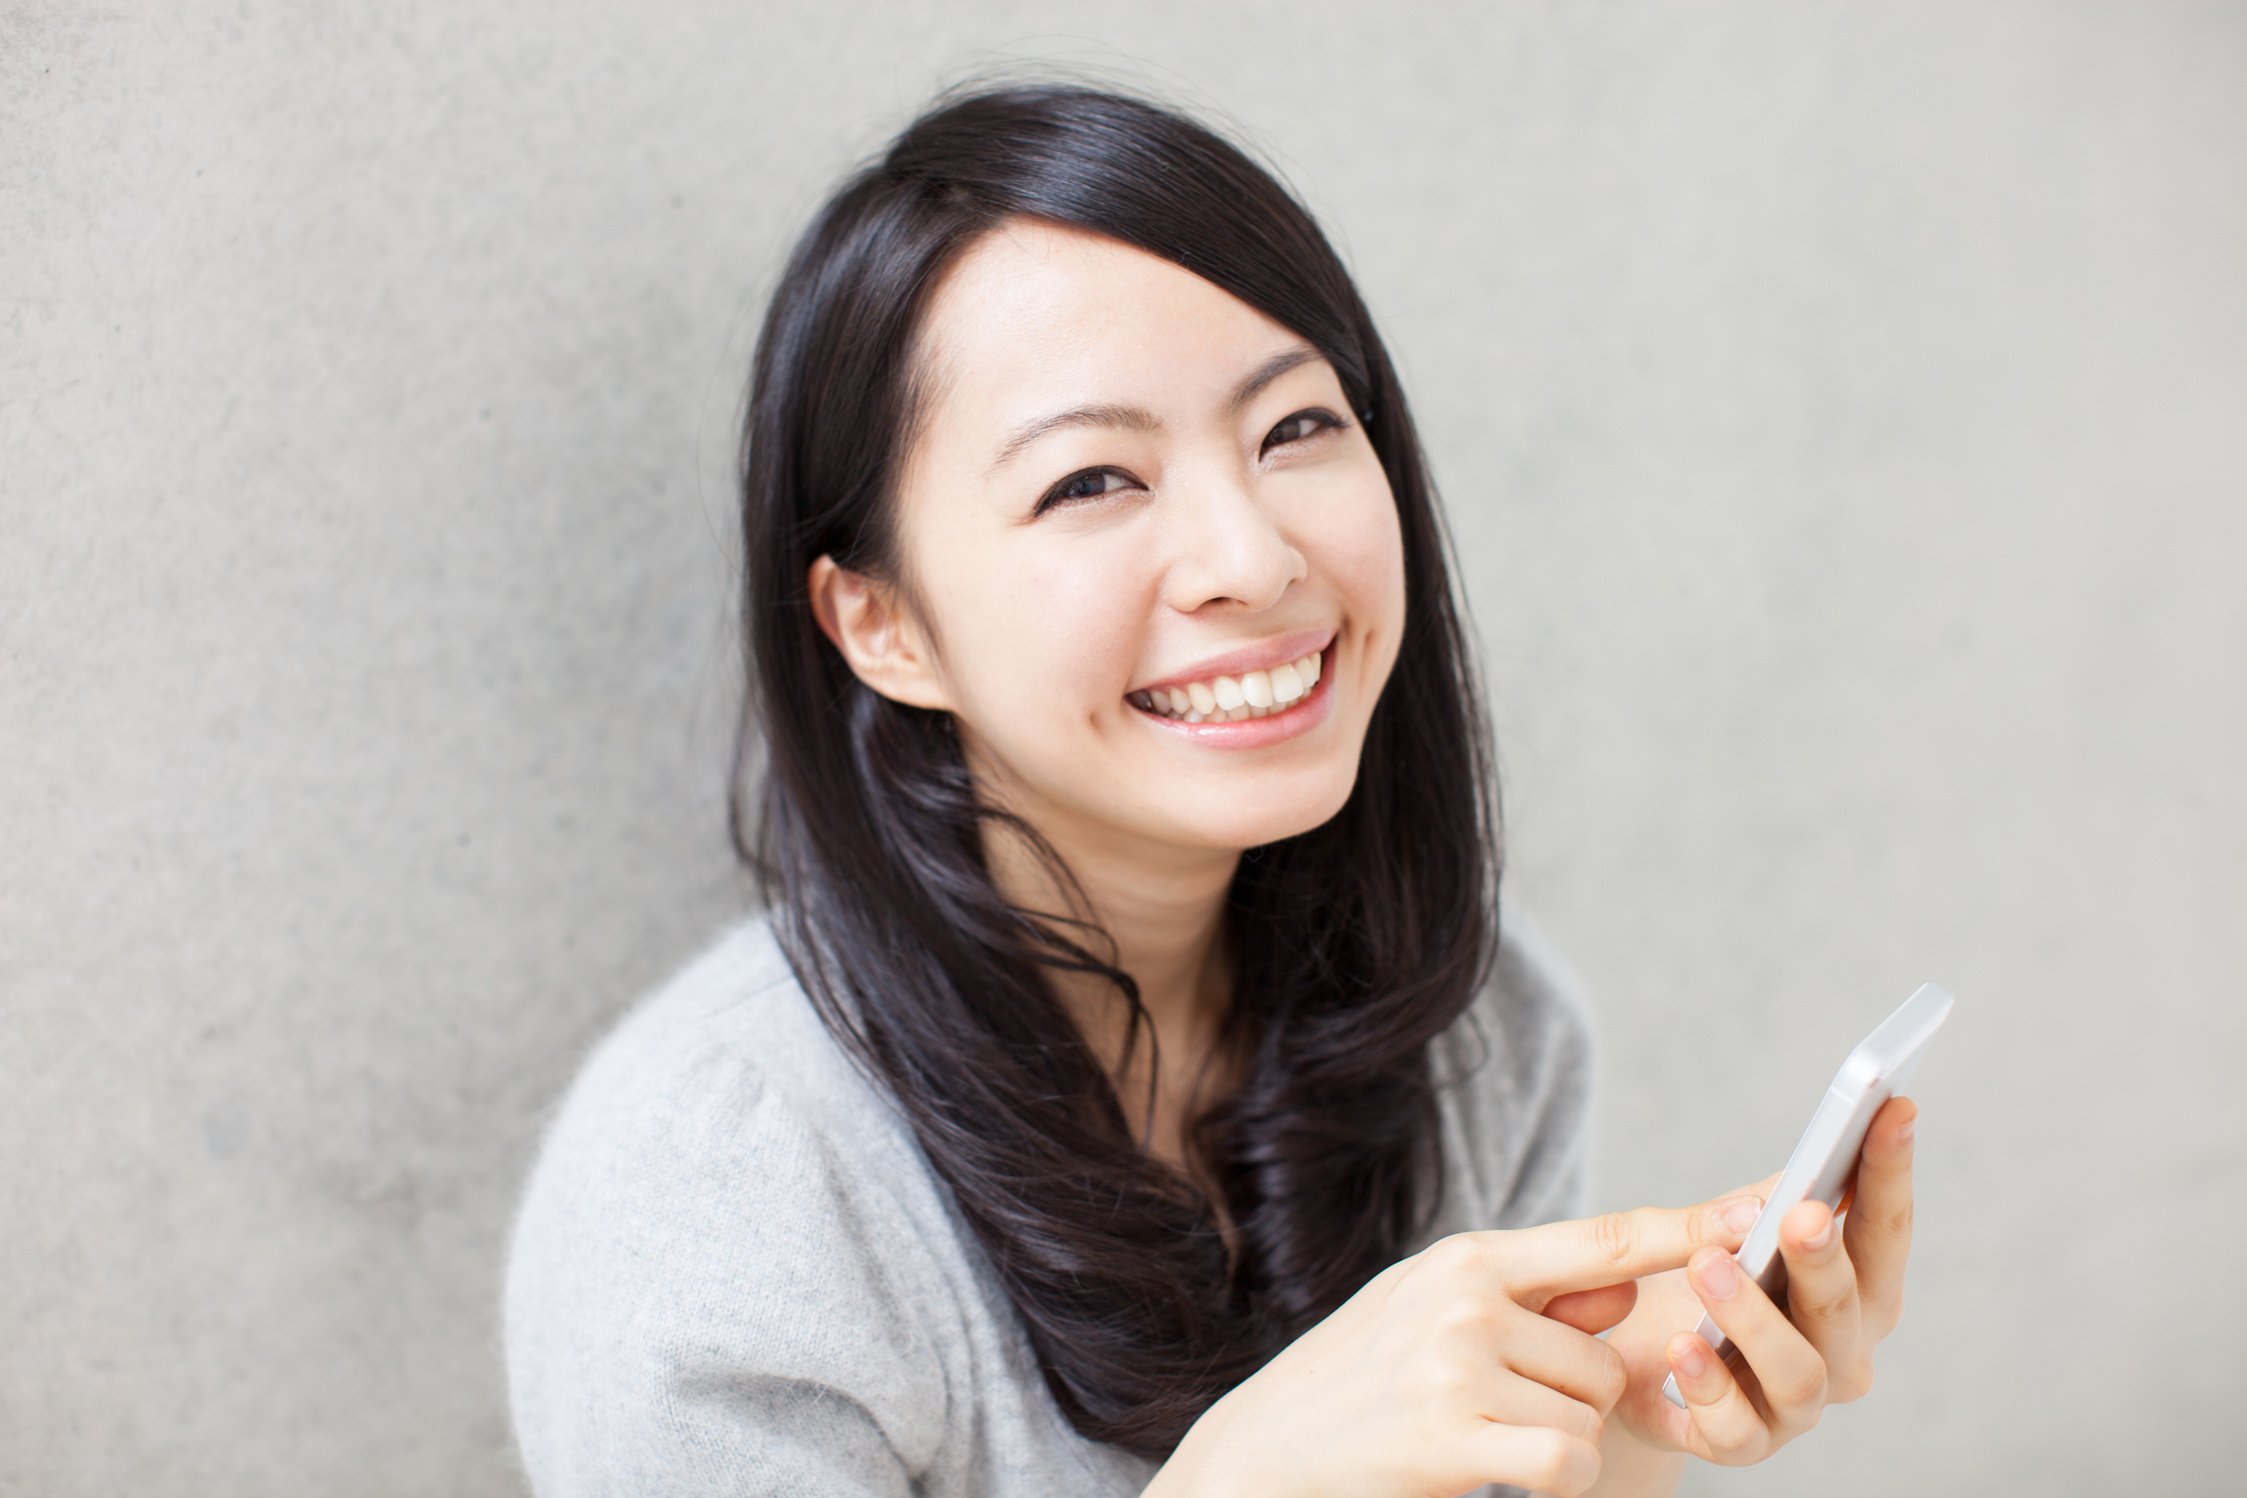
(1139, 418)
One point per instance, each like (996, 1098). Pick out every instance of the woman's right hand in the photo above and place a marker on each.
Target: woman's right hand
(1444, 1372)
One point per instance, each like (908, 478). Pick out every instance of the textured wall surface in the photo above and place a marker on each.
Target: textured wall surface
(1840, 410)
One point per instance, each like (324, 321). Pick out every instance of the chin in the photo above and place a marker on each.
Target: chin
(1239, 826)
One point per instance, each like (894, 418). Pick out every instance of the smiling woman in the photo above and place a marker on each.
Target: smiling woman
(1105, 677)
(1232, 525)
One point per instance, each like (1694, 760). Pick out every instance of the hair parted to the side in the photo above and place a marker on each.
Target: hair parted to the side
(1356, 943)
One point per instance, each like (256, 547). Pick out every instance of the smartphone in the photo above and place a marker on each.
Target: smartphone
(1826, 1156)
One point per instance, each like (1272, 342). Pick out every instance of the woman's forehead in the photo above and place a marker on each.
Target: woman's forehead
(1027, 269)
(1035, 316)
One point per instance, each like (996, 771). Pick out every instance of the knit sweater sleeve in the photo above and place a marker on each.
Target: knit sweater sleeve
(704, 1297)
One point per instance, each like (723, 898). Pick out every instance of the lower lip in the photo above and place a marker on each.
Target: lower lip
(1303, 714)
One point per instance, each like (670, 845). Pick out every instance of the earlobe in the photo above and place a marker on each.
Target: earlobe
(866, 621)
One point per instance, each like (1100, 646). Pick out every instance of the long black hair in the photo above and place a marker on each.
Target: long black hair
(1354, 943)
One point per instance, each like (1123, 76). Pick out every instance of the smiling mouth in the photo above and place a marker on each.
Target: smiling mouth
(1235, 699)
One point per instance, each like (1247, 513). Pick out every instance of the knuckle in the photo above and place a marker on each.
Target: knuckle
(1459, 1253)
(1609, 1376)
(1580, 1422)
(1736, 1448)
(1880, 1315)
(1548, 1461)
(1614, 1237)
(1466, 1317)
(1804, 1390)
(1448, 1380)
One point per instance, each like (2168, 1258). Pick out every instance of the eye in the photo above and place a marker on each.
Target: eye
(1070, 490)
(1074, 490)
(1325, 421)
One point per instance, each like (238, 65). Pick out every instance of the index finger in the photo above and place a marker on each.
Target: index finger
(1588, 1252)
(1878, 1230)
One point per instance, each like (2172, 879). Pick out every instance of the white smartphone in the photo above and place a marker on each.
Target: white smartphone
(1824, 1159)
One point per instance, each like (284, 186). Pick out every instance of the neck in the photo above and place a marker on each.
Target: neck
(1165, 910)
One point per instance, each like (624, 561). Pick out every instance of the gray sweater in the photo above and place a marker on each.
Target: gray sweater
(734, 1272)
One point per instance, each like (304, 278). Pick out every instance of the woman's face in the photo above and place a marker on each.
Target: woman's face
(1139, 509)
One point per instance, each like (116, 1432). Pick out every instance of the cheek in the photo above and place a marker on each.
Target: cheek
(1039, 638)
(1360, 545)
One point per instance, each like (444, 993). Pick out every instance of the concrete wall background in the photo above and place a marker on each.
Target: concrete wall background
(1839, 408)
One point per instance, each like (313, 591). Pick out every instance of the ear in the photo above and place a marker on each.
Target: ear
(879, 638)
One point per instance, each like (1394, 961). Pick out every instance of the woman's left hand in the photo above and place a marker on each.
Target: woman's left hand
(1844, 1294)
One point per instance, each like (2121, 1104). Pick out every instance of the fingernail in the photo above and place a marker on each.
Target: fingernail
(1691, 1361)
(1718, 1276)
(1820, 1238)
(1904, 1134)
(1741, 1213)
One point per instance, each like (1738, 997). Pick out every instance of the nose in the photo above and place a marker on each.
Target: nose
(1225, 547)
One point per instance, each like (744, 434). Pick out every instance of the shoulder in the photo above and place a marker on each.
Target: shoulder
(1529, 1030)
(719, 1201)
(1519, 1071)
(730, 1032)
(1535, 991)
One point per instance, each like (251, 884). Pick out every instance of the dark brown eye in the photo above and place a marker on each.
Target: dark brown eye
(1323, 421)
(1070, 490)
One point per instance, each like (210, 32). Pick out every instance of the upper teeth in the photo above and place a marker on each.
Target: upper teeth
(1228, 699)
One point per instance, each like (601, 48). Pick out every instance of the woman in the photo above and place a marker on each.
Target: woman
(1133, 1086)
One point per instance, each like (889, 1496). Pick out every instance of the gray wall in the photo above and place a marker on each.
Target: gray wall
(1841, 414)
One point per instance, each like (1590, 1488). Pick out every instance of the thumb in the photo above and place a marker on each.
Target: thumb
(1593, 1311)
(1589, 1253)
